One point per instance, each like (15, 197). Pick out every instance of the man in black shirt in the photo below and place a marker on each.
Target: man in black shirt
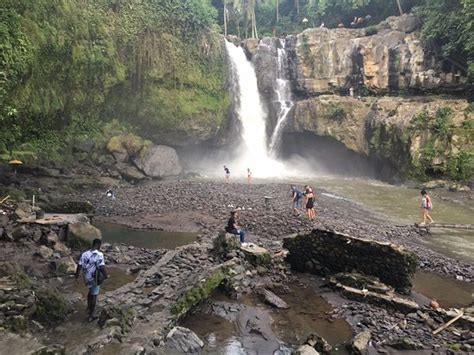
(234, 228)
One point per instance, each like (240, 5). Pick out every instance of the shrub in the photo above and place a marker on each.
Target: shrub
(371, 30)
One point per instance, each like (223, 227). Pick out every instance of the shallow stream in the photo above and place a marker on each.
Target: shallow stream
(282, 330)
(399, 204)
(152, 239)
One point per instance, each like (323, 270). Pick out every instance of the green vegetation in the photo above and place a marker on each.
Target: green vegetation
(69, 67)
(335, 112)
(51, 307)
(420, 121)
(371, 30)
(198, 293)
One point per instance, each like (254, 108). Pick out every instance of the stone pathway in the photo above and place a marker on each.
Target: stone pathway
(155, 293)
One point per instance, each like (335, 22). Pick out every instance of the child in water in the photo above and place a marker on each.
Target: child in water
(426, 205)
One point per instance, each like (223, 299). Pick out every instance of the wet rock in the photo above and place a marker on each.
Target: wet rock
(225, 243)
(183, 340)
(256, 255)
(130, 173)
(82, 234)
(360, 343)
(44, 252)
(20, 232)
(406, 344)
(319, 343)
(272, 299)
(305, 350)
(158, 161)
(124, 315)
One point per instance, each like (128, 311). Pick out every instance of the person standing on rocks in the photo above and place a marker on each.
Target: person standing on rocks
(92, 264)
(309, 196)
(234, 228)
(426, 206)
(296, 197)
(227, 173)
(249, 176)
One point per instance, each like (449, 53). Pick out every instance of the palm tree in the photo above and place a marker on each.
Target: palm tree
(400, 7)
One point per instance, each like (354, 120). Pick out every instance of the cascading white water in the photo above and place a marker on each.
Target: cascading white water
(254, 152)
(283, 92)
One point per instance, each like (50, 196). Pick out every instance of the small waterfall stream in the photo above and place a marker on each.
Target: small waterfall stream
(283, 92)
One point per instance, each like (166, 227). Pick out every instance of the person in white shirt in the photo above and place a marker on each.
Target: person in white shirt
(92, 264)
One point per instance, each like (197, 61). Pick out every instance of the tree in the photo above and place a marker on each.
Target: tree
(400, 7)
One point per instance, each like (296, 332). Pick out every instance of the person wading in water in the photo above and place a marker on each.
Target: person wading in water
(426, 206)
(92, 264)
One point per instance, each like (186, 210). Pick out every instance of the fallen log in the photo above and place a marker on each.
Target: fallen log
(445, 225)
(447, 324)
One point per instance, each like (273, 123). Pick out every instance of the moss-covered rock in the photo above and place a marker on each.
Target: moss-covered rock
(124, 146)
(116, 315)
(224, 243)
(198, 293)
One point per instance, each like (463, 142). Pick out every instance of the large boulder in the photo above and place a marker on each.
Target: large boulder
(158, 161)
(81, 235)
(125, 146)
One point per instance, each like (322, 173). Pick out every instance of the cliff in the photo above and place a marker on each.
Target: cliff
(417, 136)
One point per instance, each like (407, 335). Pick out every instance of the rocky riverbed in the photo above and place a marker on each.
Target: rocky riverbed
(203, 206)
(161, 285)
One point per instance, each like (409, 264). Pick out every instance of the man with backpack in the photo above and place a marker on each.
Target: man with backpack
(296, 197)
(92, 264)
(426, 206)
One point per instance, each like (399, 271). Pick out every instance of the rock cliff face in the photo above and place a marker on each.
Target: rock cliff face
(388, 57)
(417, 137)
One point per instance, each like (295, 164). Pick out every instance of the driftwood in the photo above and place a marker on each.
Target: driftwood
(447, 324)
(445, 225)
(3, 200)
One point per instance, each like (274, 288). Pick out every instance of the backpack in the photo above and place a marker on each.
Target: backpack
(429, 204)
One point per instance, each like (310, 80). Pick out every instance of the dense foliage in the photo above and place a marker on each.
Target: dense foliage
(69, 65)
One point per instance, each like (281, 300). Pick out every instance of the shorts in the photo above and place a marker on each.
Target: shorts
(297, 203)
(94, 290)
(309, 205)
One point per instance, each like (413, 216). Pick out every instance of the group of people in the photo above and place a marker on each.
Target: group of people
(308, 196)
(227, 175)
(92, 263)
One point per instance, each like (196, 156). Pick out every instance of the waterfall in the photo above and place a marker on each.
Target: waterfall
(283, 93)
(251, 114)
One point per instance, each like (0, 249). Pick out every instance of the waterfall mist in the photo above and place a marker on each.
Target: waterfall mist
(299, 154)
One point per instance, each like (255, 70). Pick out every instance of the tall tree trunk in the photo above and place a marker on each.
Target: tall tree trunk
(297, 5)
(400, 7)
(277, 10)
(225, 19)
